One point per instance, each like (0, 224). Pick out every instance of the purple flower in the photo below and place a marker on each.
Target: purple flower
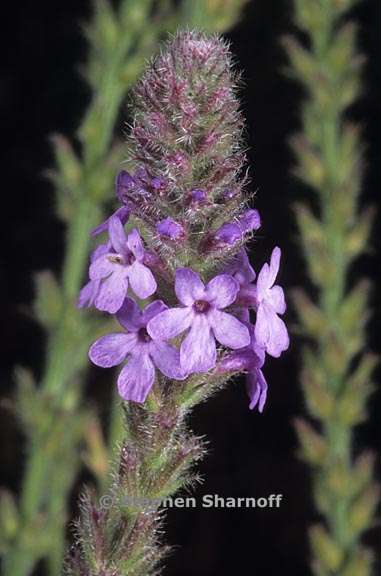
(142, 352)
(270, 330)
(232, 232)
(197, 196)
(124, 184)
(120, 268)
(158, 183)
(250, 359)
(256, 385)
(250, 220)
(141, 184)
(122, 213)
(230, 193)
(169, 228)
(202, 314)
(229, 233)
(89, 292)
(241, 269)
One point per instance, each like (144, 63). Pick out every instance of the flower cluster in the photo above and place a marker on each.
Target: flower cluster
(174, 268)
(117, 269)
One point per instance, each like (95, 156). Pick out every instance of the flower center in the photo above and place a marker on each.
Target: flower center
(143, 335)
(116, 259)
(126, 260)
(129, 259)
(201, 306)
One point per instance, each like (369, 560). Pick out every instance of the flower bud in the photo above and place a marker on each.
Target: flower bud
(169, 228)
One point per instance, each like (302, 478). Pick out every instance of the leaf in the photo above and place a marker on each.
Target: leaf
(352, 401)
(321, 268)
(357, 240)
(362, 510)
(325, 548)
(311, 168)
(313, 444)
(310, 316)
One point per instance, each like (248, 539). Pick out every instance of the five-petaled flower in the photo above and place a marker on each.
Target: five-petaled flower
(143, 352)
(270, 330)
(202, 313)
(120, 267)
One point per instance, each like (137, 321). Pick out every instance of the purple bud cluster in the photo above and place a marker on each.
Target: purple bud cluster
(177, 240)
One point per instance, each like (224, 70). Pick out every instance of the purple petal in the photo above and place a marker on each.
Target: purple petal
(169, 323)
(250, 220)
(230, 193)
(256, 386)
(198, 195)
(158, 183)
(188, 286)
(169, 228)
(122, 213)
(270, 331)
(241, 269)
(135, 244)
(117, 235)
(100, 251)
(153, 310)
(112, 292)
(142, 280)
(228, 330)
(275, 263)
(130, 316)
(229, 233)
(275, 297)
(267, 275)
(136, 378)
(167, 359)
(112, 349)
(102, 267)
(238, 361)
(243, 314)
(198, 350)
(124, 183)
(222, 290)
(258, 352)
(88, 293)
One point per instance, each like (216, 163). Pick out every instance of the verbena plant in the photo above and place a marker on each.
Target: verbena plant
(55, 419)
(174, 271)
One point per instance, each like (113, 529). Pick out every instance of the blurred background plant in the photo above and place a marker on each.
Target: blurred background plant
(334, 232)
(62, 432)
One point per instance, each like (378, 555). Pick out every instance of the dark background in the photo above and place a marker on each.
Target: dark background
(250, 454)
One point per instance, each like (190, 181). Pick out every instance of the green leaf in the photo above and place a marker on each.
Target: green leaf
(310, 316)
(352, 317)
(310, 168)
(357, 241)
(358, 387)
(362, 510)
(313, 444)
(359, 563)
(328, 552)
(314, 241)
